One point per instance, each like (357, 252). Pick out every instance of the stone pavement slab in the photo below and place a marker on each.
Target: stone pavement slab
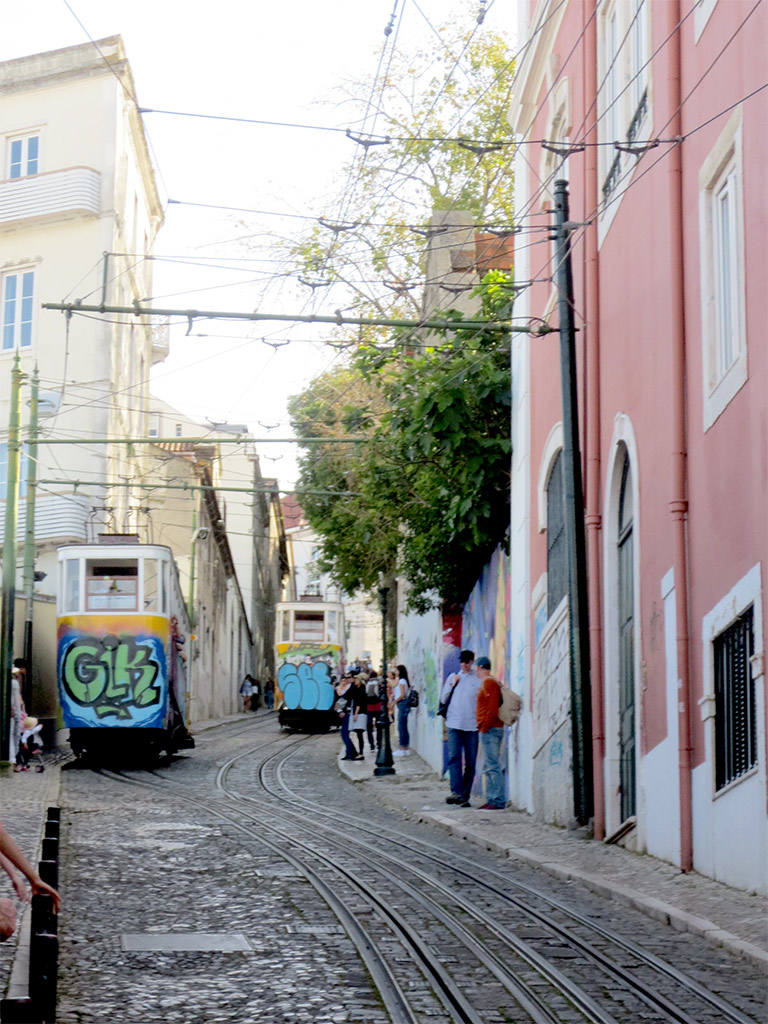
(690, 902)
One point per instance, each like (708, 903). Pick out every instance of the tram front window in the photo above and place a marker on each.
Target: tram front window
(111, 587)
(150, 585)
(308, 626)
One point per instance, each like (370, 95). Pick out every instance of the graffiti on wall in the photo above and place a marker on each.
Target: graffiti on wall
(305, 677)
(486, 626)
(112, 670)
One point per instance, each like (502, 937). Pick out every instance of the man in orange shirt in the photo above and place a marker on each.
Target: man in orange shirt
(491, 729)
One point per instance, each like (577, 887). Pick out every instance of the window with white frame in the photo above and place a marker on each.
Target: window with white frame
(23, 156)
(623, 78)
(722, 272)
(154, 424)
(18, 291)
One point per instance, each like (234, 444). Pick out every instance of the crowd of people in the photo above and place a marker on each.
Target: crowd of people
(359, 698)
(251, 692)
(470, 701)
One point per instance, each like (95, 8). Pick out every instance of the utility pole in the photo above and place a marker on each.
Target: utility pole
(9, 558)
(29, 536)
(578, 621)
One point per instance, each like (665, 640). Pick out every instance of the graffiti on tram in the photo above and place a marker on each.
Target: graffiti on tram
(306, 675)
(113, 670)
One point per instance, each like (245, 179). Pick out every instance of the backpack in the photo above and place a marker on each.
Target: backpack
(413, 698)
(509, 705)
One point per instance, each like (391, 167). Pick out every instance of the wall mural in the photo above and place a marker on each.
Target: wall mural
(112, 670)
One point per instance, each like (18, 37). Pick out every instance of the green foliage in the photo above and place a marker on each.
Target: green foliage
(430, 486)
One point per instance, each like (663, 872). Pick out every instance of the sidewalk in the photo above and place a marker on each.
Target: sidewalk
(24, 801)
(688, 902)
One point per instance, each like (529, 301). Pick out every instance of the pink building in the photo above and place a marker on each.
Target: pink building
(655, 113)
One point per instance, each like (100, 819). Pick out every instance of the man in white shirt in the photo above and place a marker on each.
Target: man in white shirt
(461, 724)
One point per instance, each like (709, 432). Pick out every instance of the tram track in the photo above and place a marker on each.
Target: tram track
(474, 927)
(432, 853)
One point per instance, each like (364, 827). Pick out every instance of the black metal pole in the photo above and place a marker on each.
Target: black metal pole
(578, 622)
(384, 759)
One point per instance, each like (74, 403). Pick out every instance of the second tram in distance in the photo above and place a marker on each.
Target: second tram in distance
(309, 659)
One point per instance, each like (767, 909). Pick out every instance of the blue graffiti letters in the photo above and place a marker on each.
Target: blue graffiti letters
(111, 674)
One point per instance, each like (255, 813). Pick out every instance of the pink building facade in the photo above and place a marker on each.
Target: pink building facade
(670, 271)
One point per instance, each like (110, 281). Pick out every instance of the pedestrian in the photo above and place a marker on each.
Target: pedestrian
(401, 698)
(30, 746)
(391, 684)
(491, 729)
(358, 722)
(256, 695)
(373, 692)
(461, 726)
(13, 861)
(269, 692)
(18, 712)
(343, 707)
(246, 691)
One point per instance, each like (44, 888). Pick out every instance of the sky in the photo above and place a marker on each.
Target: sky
(275, 62)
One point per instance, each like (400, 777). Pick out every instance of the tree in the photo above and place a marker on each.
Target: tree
(410, 162)
(427, 494)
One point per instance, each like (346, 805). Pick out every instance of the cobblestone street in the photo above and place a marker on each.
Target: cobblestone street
(172, 913)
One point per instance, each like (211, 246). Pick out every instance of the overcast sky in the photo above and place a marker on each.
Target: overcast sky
(271, 61)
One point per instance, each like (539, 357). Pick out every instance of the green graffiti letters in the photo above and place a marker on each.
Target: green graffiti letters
(110, 674)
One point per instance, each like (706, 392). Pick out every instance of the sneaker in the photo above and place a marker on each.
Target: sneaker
(464, 803)
(453, 799)
(397, 753)
(491, 807)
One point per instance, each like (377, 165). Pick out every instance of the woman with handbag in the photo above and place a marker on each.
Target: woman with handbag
(343, 706)
(359, 715)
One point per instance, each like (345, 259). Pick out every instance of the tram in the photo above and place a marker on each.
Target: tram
(309, 657)
(121, 669)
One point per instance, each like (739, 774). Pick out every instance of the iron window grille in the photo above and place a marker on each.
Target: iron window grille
(735, 718)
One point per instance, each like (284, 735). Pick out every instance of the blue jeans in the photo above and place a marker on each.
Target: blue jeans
(492, 771)
(350, 750)
(403, 708)
(462, 755)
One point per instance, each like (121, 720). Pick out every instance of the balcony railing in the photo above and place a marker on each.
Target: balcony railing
(71, 192)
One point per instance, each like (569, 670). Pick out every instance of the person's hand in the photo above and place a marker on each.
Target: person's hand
(39, 886)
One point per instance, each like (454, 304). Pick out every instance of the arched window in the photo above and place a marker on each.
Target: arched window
(626, 624)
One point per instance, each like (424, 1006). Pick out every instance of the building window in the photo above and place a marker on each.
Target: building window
(735, 718)
(24, 156)
(623, 75)
(722, 272)
(557, 564)
(18, 292)
(154, 425)
(23, 472)
(178, 430)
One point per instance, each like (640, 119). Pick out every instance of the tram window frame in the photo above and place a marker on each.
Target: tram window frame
(153, 602)
(71, 597)
(99, 570)
(308, 635)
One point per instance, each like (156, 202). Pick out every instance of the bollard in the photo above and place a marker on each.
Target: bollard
(54, 814)
(18, 1010)
(43, 970)
(49, 872)
(51, 829)
(50, 849)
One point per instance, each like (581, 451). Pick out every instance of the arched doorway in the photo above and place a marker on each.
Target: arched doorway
(626, 638)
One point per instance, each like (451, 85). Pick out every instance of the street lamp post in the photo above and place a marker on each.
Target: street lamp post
(384, 761)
